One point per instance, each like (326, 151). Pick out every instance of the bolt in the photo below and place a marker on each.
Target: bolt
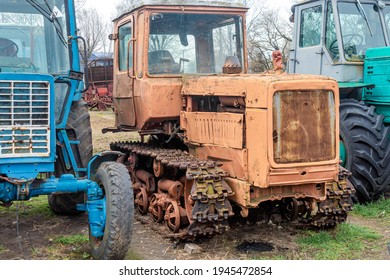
(194, 166)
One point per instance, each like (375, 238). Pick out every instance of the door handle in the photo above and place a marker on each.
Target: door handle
(132, 76)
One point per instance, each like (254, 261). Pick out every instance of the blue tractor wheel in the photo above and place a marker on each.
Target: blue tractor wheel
(110, 238)
(78, 128)
(364, 149)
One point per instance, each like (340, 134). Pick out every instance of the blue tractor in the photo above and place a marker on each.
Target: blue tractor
(45, 133)
(349, 40)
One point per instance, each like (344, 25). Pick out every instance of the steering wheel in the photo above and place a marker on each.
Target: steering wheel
(8, 47)
(354, 40)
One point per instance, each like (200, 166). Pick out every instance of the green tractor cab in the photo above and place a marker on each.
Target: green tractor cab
(349, 40)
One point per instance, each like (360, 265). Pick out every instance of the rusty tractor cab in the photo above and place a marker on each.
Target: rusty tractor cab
(99, 93)
(219, 138)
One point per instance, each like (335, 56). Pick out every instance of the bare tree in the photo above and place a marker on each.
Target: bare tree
(160, 42)
(79, 4)
(267, 31)
(93, 29)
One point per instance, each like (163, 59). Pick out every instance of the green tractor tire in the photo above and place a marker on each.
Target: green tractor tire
(364, 149)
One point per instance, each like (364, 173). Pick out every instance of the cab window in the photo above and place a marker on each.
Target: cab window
(311, 26)
(125, 55)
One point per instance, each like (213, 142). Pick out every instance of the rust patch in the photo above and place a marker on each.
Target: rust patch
(304, 126)
(224, 129)
(258, 195)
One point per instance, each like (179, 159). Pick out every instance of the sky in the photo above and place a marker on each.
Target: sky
(107, 8)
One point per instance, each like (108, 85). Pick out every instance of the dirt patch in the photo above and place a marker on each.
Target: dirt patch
(247, 246)
(36, 234)
(148, 243)
(39, 232)
(104, 119)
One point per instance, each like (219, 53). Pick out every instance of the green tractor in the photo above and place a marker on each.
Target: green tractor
(349, 40)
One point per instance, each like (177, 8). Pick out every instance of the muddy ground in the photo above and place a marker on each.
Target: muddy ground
(37, 235)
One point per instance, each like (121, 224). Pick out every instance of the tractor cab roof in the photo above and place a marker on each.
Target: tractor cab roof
(301, 2)
(137, 4)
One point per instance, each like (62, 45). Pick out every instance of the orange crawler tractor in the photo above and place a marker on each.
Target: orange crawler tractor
(216, 139)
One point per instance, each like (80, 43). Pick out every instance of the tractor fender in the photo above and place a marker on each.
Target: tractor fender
(98, 159)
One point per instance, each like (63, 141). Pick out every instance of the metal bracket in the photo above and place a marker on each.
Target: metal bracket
(113, 36)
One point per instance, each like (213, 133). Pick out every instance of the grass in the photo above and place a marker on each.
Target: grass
(103, 119)
(347, 241)
(378, 209)
(76, 239)
(132, 255)
(70, 247)
(2, 249)
(35, 206)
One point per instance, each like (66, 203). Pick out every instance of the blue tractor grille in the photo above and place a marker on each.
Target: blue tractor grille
(24, 119)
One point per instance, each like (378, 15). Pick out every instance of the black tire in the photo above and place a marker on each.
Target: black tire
(366, 142)
(79, 128)
(115, 179)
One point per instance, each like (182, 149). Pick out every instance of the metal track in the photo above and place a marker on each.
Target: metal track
(207, 204)
(334, 209)
(206, 200)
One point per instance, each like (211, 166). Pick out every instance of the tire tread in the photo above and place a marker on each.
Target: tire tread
(368, 140)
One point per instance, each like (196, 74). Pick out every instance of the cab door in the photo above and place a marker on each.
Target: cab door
(123, 95)
(307, 52)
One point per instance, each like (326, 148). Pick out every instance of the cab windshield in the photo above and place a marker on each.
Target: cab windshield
(360, 29)
(32, 37)
(386, 15)
(185, 43)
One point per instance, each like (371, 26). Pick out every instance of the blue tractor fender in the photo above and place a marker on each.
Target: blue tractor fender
(98, 159)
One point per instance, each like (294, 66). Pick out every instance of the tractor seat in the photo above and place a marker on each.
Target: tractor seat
(162, 62)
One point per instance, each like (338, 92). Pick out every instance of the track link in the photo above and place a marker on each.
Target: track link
(205, 195)
(338, 203)
(198, 204)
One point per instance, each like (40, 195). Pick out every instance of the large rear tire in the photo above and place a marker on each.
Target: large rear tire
(79, 128)
(365, 145)
(115, 180)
